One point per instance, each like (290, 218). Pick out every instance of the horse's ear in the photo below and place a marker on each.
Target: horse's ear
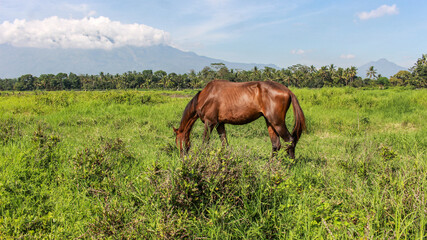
(175, 130)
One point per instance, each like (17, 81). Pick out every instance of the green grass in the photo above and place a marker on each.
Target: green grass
(105, 165)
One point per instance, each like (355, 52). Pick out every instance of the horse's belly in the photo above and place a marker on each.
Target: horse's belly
(238, 115)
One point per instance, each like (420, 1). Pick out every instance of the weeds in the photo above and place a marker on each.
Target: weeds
(26, 203)
(95, 169)
(96, 173)
(9, 129)
(131, 97)
(205, 179)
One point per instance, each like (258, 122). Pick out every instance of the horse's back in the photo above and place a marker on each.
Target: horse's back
(230, 102)
(241, 102)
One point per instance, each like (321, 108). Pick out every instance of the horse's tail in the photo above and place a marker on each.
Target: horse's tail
(299, 119)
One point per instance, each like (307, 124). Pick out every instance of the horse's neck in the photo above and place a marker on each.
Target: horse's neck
(187, 122)
(189, 116)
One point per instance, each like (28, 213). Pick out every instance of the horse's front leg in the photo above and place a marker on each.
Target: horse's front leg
(207, 132)
(222, 134)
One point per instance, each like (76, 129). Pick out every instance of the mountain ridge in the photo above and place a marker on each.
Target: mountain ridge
(16, 61)
(382, 66)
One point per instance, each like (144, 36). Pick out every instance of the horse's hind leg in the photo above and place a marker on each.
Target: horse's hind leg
(283, 132)
(222, 134)
(275, 140)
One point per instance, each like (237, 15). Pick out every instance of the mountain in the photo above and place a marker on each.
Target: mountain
(383, 67)
(15, 62)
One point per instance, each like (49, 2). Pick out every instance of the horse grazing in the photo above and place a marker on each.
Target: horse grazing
(222, 102)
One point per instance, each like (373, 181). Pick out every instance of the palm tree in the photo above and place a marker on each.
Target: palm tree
(352, 73)
(419, 70)
(313, 69)
(325, 76)
(332, 68)
(285, 76)
(194, 80)
(268, 73)
(371, 73)
(349, 75)
(256, 74)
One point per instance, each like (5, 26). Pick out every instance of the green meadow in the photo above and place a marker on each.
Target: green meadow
(103, 165)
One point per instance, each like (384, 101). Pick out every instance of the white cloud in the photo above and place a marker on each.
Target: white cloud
(347, 56)
(298, 51)
(87, 33)
(379, 12)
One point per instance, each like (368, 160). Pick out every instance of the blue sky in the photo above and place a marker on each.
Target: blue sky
(344, 33)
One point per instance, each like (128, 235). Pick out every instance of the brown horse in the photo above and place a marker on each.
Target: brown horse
(222, 102)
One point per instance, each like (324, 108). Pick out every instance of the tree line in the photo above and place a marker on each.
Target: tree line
(295, 76)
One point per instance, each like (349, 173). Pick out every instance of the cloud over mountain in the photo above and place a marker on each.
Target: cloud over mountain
(85, 33)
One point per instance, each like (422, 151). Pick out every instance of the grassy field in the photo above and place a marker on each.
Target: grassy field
(105, 165)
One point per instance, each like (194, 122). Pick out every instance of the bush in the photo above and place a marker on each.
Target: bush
(205, 179)
(96, 172)
(9, 129)
(25, 197)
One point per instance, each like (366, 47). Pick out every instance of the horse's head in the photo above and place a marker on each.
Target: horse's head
(178, 138)
(182, 143)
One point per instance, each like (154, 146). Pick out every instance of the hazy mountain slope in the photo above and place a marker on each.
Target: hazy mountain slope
(15, 62)
(383, 67)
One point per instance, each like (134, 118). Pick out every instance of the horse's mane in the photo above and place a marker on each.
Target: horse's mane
(189, 112)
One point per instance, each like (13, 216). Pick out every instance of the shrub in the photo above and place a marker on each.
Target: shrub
(25, 197)
(94, 168)
(215, 177)
(97, 171)
(204, 179)
(9, 128)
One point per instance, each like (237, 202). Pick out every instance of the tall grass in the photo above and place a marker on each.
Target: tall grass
(104, 165)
